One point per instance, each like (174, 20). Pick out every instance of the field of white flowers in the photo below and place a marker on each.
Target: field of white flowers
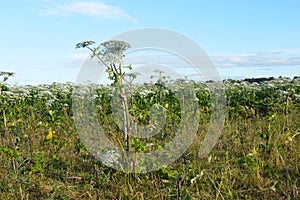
(257, 156)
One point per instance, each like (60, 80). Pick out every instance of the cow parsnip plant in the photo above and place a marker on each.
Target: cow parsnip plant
(111, 54)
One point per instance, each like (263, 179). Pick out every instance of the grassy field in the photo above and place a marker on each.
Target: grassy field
(256, 157)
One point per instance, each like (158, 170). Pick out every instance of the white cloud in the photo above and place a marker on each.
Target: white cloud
(92, 9)
(49, 12)
(78, 56)
(75, 60)
(278, 58)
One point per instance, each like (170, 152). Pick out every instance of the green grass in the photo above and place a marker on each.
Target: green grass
(256, 157)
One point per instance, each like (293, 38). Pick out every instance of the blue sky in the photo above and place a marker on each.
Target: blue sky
(243, 38)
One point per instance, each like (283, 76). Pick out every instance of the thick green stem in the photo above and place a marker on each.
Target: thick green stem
(126, 120)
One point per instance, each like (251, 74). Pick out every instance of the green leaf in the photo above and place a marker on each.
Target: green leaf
(171, 173)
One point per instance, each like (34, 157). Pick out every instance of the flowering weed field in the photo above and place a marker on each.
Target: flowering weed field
(256, 157)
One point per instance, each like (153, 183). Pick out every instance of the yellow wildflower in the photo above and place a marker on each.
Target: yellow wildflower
(49, 136)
